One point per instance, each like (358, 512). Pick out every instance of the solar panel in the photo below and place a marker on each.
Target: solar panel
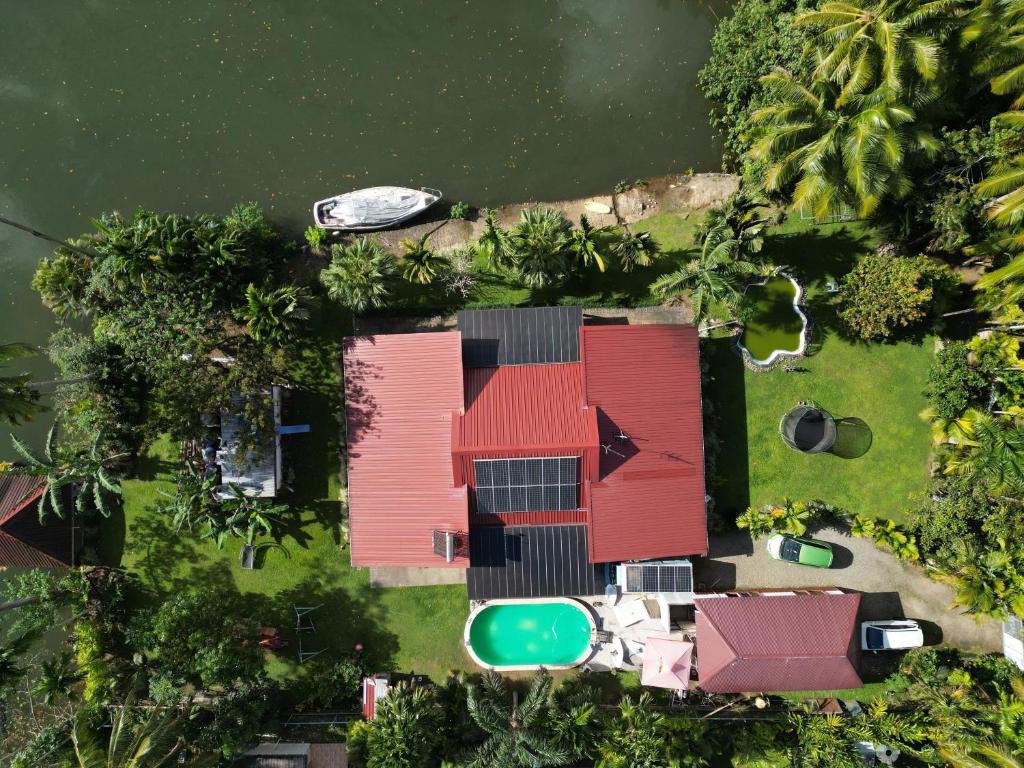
(526, 485)
(653, 577)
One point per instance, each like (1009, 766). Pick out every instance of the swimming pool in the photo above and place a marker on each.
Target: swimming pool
(507, 635)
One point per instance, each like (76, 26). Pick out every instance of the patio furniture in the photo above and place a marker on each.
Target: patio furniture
(303, 621)
(247, 557)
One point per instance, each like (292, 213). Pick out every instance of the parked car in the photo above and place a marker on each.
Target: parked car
(890, 635)
(799, 549)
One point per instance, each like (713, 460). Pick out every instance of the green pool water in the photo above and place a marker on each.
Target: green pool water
(774, 324)
(546, 634)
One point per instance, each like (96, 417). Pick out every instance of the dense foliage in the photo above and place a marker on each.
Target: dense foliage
(883, 293)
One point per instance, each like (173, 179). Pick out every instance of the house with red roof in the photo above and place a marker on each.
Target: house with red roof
(24, 541)
(777, 641)
(530, 449)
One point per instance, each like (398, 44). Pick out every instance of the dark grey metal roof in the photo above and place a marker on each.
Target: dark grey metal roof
(526, 336)
(531, 561)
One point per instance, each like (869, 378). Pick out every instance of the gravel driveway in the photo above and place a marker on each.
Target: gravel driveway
(890, 588)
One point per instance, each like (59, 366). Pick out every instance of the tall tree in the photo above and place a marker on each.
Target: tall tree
(586, 244)
(358, 274)
(637, 737)
(840, 157)
(540, 247)
(713, 278)
(635, 249)
(406, 732)
(18, 401)
(516, 733)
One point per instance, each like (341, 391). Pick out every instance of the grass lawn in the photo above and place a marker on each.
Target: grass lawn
(875, 389)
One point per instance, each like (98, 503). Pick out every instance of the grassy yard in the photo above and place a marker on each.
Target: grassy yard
(873, 389)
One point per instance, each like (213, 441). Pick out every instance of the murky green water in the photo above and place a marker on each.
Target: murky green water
(774, 323)
(191, 104)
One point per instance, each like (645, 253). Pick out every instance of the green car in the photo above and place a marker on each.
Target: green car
(796, 549)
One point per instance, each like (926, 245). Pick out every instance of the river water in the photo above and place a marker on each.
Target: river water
(193, 105)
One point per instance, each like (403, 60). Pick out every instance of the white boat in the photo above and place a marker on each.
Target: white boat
(373, 208)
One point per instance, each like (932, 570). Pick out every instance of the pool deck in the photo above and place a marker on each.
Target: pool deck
(624, 651)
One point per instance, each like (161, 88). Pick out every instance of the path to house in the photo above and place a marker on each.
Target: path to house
(890, 588)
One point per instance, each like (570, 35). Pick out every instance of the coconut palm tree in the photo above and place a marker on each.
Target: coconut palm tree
(586, 244)
(540, 246)
(421, 265)
(635, 249)
(274, 314)
(157, 741)
(18, 401)
(864, 45)
(712, 278)
(358, 274)
(92, 469)
(516, 737)
(57, 677)
(637, 738)
(406, 732)
(840, 157)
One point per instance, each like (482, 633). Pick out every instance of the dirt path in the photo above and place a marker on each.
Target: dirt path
(890, 588)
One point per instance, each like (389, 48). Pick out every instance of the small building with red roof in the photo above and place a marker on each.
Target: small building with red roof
(526, 447)
(777, 641)
(24, 541)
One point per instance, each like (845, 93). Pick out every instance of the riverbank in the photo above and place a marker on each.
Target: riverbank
(675, 193)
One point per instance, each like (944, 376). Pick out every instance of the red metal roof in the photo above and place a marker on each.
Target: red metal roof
(762, 643)
(645, 382)
(400, 393)
(24, 542)
(526, 407)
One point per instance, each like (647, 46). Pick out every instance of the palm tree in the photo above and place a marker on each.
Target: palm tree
(540, 246)
(742, 214)
(840, 156)
(62, 280)
(494, 243)
(276, 314)
(11, 670)
(57, 676)
(515, 735)
(863, 45)
(712, 278)
(635, 249)
(358, 274)
(406, 732)
(92, 469)
(823, 740)
(991, 450)
(586, 245)
(988, 584)
(18, 401)
(421, 264)
(636, 738)
(156, 742)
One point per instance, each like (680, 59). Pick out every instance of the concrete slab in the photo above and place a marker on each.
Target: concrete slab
(416, 577)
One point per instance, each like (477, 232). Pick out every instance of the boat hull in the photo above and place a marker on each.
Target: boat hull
(374, 208)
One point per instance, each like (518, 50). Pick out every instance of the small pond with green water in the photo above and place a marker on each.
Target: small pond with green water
(774, 323)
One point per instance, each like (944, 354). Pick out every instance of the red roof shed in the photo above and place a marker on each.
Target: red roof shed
(400, 393)
(650, 500)
(792, 642)
(24, 542)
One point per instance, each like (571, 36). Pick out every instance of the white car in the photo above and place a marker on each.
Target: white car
(891, 635)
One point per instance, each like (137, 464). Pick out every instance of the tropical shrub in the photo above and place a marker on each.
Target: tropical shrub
(459, 275)
(881, 294)
(634, 249)
(274, 314)
(335, 684)
(420, 264)
(539, 251)
(405, 733)
(756, 37)
(953, 384)
(18, 401)
(886, 533)
(636, 736)
(358, 276)
(459, 210)
(202, 638)
(316, 238)
(89, 650)
(792, 517)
